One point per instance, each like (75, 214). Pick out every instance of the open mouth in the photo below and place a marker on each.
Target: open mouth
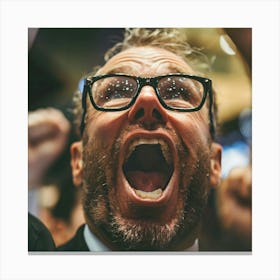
(148, 167)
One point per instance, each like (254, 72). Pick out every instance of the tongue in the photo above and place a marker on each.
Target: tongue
(146, 181)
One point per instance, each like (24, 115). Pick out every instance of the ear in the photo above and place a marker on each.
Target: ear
(77, 162)
(215, 164)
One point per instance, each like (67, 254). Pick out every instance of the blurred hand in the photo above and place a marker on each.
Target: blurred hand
(234, 201)
(48, 131)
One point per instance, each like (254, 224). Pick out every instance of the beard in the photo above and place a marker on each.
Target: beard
(101, 204)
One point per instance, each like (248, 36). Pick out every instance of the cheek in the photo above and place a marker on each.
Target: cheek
(192, 127)
(104, 127)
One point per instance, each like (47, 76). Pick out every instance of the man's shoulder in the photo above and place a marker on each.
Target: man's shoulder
(77, 243)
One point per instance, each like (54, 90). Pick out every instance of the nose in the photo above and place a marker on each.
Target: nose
(147, 110)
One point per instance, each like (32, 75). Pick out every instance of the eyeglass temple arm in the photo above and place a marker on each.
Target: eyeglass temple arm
(84, 106)
(211, 112)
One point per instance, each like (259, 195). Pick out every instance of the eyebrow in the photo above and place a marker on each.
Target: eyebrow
(121, 70)
(177, 70)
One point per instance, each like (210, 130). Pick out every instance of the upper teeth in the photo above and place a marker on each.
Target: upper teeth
(163, 145)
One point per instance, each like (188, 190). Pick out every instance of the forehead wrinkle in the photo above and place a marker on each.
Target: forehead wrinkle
(144, 61)
(144, 68)
(170, 68)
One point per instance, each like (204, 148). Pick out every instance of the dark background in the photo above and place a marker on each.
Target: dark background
(59, 57)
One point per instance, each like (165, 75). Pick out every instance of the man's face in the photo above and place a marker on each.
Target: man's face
(145, 171)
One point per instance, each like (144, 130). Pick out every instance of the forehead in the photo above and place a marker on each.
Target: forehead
(146, 61)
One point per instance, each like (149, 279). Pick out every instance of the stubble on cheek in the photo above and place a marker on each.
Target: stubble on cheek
(197, 193)
(96, 174)
(193, 191)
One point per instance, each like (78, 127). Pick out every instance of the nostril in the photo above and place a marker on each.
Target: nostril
(157, 115)
(139, 114)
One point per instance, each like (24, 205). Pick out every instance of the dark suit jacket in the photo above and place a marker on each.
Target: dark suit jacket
(77, 243)
(39, 237)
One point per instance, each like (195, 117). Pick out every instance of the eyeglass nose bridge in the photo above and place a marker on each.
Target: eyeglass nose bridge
(147, 82)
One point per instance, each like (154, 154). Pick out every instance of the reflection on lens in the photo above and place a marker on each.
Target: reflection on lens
(180, 92)
(113, 92)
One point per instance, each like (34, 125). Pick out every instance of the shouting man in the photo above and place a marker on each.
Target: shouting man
(147, 157)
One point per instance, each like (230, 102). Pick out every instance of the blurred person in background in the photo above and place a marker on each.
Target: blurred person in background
(56, 214)
(234, 197)
(227, 223)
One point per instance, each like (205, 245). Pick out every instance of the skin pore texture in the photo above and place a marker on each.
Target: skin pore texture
(121, 217)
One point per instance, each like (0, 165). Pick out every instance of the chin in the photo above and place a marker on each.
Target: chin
(131, 235)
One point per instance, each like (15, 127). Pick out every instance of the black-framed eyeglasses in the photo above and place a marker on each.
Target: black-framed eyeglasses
(176, 92)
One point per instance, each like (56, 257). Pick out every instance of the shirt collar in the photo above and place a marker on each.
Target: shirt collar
(95, 245)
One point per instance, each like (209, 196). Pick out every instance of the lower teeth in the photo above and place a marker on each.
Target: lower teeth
(153, 195)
